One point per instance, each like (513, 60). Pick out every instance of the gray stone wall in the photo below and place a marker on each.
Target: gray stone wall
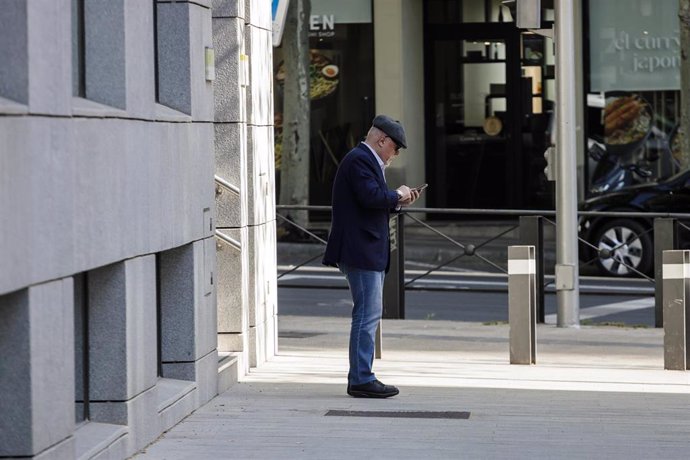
(116, 188)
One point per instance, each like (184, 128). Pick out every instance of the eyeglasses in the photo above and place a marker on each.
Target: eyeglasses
(397, 147)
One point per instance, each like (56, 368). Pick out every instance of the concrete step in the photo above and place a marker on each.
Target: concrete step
(228, 370)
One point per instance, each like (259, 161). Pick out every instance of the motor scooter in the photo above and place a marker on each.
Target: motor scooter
(612, 172)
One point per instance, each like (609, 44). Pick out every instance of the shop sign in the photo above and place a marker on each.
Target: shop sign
(279, 12)
(343, 12)
(635, 51)
(322, 26)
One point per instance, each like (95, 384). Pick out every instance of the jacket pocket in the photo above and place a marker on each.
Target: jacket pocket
(373, 233)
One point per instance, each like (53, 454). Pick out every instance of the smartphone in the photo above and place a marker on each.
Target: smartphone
(421, 187)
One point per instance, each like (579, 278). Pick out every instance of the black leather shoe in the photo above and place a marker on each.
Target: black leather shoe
(373, 389)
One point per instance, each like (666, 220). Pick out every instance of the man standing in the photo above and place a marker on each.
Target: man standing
(358, 243)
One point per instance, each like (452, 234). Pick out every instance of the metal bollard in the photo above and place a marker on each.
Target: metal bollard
(532, 234)
(378, 343)
(522, 307)
(665, 239)
(394, 283)
(676, 283)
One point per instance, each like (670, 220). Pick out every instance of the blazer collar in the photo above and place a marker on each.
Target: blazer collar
(374, 158)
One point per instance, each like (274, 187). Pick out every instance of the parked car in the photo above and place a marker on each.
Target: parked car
(625, 242)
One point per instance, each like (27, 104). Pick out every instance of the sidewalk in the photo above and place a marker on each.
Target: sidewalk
(596, 392)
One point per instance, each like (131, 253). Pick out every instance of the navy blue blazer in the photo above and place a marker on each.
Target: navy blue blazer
(361, 207)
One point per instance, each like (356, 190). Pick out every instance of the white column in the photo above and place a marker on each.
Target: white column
(399, 77)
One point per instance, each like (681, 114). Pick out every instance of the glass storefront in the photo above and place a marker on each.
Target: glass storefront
(489, 92)
(341, 88)
(634, 98)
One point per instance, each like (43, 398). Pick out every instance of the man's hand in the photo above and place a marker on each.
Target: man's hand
(409, 195)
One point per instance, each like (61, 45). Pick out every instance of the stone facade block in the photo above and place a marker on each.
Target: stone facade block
(257, 345)
(262, 273)
(165, 194)
(14, 73)
(257, 277)
(228, 42)
(37, 369)
(231, 165)
(50, 57)
(260, 175)
(164, 198)
(122, 325)
(259, 101)
(229, 206)
(203, 3)
(99, 192)
(140, 62)
(177, 303)
(188, 301)
(42, 160)
(201, 37)
(207, 315)
(231, 152)
(232, 342)
(203, 371)
(172, 414)
(258, 13)
(232, 284)
(105, 52)
(61, 451)
(140, 414)
(182, 83)
(174, 73)
(228, 8)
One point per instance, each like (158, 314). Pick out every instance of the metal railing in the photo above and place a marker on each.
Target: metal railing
(531, 232)
(220, 185)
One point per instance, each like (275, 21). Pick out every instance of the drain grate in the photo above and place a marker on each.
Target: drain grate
(298, 335)
(399, 414)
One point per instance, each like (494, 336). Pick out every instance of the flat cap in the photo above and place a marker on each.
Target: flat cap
(392, 128)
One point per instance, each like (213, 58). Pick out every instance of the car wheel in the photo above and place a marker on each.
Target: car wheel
(625, 248)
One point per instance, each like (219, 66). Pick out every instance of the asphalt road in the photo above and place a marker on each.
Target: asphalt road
(469, 297)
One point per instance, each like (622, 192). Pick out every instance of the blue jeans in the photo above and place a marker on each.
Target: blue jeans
(366, 287)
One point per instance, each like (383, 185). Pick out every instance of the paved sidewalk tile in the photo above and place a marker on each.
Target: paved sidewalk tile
(595, 393)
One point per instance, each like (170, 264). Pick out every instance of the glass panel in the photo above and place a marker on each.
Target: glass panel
(444, 11)
(632, 128)
(536, 57)
(633, 110)
(342, 99)
(484, 90)
(466, 11)
(471, 122)
(349, 12)
(635, 51)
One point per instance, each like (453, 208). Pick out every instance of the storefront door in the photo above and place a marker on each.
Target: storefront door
(486, 118)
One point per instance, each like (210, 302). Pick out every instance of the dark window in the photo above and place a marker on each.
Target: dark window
(81, 347)
(78, 49)
(155, 49)
(159, 327)
(14, 67)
